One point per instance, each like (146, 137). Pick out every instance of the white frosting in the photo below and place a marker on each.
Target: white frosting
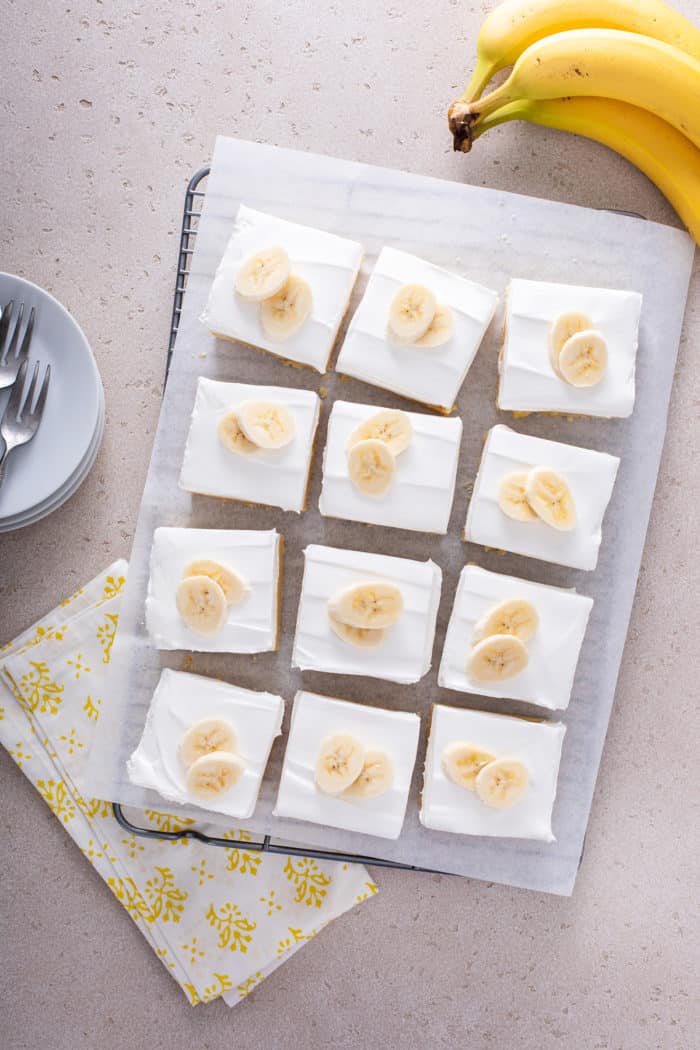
(591, 477)
(251, 625)
(180, 700)
(445, 806)
(553, 651)
(329, 263)
(405, 654)
(315, 717)
(421, 493)
(432, 375)
(528, 382)
(275, 477)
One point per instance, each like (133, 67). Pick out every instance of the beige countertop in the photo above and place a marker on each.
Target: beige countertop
(107, 110)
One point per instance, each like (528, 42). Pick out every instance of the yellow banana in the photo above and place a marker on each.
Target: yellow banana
(516, 24)
(600, 62)
(665, 156)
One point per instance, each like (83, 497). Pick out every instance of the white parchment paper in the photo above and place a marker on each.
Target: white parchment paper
(488, 236)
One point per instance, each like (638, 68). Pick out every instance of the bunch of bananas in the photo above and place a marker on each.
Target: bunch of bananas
(623, 72)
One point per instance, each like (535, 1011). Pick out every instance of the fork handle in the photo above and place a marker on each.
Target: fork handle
(3, 463)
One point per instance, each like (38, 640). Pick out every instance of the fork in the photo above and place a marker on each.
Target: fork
(19, 422)
(10, 357)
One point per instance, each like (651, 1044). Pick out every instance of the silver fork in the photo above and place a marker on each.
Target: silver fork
(20, 422)
(11, 358)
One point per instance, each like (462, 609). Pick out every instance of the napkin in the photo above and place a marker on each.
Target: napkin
(219, 919)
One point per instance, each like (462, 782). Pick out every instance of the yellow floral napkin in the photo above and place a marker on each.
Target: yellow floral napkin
(219, 919)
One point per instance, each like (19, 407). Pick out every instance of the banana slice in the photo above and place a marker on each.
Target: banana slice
(268, 424)
(263, 274)
(232, 437)
(563, 327)
(411, 312)
(514, 616)
(234, 587)
(201, 603)
(283, 314)
(391, 426)
(360, 637)
(502, 783)
(368, 605)
(497, 658)
(210, 734)
(214, 774)
(339, 762)
(376, 776)
(440, 330)
(462, 761)
(371, 466)
(512, 499)
(584, 358)
(550, 497)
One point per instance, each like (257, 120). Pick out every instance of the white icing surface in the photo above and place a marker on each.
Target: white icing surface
(406, 652)
(329, 263)
(553, 651)
(275, 477)
(421, 493)
(251, 625)
(445, 806)
(315, 717)
(591, 477)
(528, 383)
(432, 375)
(180, 700)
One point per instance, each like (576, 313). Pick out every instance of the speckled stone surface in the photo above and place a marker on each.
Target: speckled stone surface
(106, 110)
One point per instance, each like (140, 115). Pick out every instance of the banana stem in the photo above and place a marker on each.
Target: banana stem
(483, 72)
(463, 115)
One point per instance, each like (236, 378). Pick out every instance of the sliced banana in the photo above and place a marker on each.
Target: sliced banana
(376, 776)
(514, 616)
(234, 587)
(584, 358)
(360, 637)
(371, 466)
(502, 782)
(550, 497)
(214, 774)
(339, 762)
(263, 274)
(440, 330)
(201, 603)
(205, 736)
(268, 424)
(497, 658)
(391, 426)
(283, 314)
(369, 605)
(563, 327)
(232, 437)
(411, 312)
(462, 761)
(512, 498)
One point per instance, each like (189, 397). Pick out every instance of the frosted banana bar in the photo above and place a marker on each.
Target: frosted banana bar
(348, 765)
(282, 287)
(206, 743)
(489, 774)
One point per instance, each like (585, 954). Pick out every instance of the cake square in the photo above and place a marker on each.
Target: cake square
(180, 701)
(590, 476)
(314, 718)
(552, 650)
(431, 375)
(405, 650)
(422, 489)
(528, 381)
(448, 806)
(250, 623)
(275, 477)
(328, 263)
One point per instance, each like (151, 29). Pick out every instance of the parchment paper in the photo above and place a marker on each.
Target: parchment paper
(488, 236)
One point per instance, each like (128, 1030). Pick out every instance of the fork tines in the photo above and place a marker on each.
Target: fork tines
(20, 405)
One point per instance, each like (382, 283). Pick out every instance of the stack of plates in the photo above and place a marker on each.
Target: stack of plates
(49, 469)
